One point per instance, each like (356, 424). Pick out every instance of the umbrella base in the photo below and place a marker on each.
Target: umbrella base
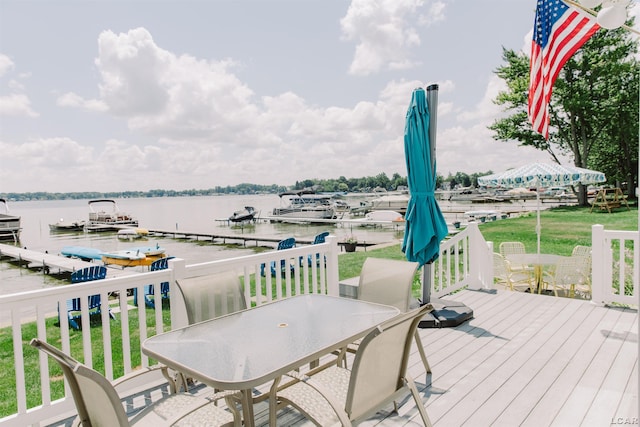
(446, 314)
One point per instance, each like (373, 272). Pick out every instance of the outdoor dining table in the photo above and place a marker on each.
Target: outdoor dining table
(249, 348)
(537, 261)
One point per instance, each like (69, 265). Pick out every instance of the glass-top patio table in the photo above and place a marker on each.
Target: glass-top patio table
(249, 348)
(538, 261)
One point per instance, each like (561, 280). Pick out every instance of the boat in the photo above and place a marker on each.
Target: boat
(484, 215)
(9, 224)
(130, 233)
(125, 258)
(142, 255)
(244, 215)
(394, 202)
(81, 252)
(62, 225)
(304, 205)
(381, 218)
(103, 220)
(153, 252)
(135, 256)
(341, 206)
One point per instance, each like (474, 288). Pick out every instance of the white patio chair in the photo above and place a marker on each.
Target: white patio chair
(389, 282)
(207, 297)
(99, 404)
(513, 248)
(509, 278)
(581, 250)
(213, 295)
(336, 395)
(570, 276)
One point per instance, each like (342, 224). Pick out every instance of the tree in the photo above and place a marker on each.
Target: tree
(593, 109)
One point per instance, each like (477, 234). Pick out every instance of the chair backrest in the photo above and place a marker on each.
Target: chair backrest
(160, 264)
(96, 400)
(380, 363)
(500, 268)
(320, 238)
(287, 243)
(581, 250)
(511, 248)
(387, 281)
(572, 270)
(213, 295)
(87, 274)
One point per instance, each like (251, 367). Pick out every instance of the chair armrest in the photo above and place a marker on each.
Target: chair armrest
(155, 370)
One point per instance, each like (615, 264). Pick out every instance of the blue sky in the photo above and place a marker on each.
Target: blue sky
(141, 94)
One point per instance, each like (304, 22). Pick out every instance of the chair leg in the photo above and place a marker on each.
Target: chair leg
(418, 400)
(422, 353)
(273, 402)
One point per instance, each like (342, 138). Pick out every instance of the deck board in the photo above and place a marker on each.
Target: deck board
(550, 361)
(523, 360)
(533, 360)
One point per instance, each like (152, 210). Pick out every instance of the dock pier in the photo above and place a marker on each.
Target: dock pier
(50, 262)
(58, 264)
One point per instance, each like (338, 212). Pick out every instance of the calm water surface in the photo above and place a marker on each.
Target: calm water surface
(193, 214)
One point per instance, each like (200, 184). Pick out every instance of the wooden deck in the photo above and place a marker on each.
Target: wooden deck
(523, 360)
(530, 360)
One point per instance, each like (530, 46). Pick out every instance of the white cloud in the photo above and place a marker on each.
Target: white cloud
(202, 119)
(157, 91)
(435, 13)
(6, 64)
(486, 110)
(71, 99)
(383, 33)
(16, 105)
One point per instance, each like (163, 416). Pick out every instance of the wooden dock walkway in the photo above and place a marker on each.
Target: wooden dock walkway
(244, 238)
(50, 262)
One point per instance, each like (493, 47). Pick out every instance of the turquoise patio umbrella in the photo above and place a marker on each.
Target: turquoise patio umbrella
(425, 225)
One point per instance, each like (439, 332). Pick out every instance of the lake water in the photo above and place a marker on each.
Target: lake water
(193, 214)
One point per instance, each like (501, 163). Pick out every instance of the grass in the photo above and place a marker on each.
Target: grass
(562, 229)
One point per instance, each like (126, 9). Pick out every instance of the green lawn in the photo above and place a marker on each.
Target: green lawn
(561, 228)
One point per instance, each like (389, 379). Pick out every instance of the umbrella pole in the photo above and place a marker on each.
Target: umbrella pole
(445, 313)
(426, 283)
(432, 105)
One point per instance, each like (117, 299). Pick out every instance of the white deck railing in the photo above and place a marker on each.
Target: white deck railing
(616, 266)
(464, 261)
(34, 314)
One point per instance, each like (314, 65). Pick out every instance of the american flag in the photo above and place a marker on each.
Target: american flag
(557, 33)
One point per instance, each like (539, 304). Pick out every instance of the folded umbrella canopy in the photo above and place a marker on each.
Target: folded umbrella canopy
(539, 175)
(425, 224)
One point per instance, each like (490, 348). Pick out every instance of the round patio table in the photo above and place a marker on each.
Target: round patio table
(537, 261)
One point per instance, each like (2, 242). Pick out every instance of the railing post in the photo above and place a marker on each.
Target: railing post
(598, 264)
(480, 264)
(333, 287)
(178, 311)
